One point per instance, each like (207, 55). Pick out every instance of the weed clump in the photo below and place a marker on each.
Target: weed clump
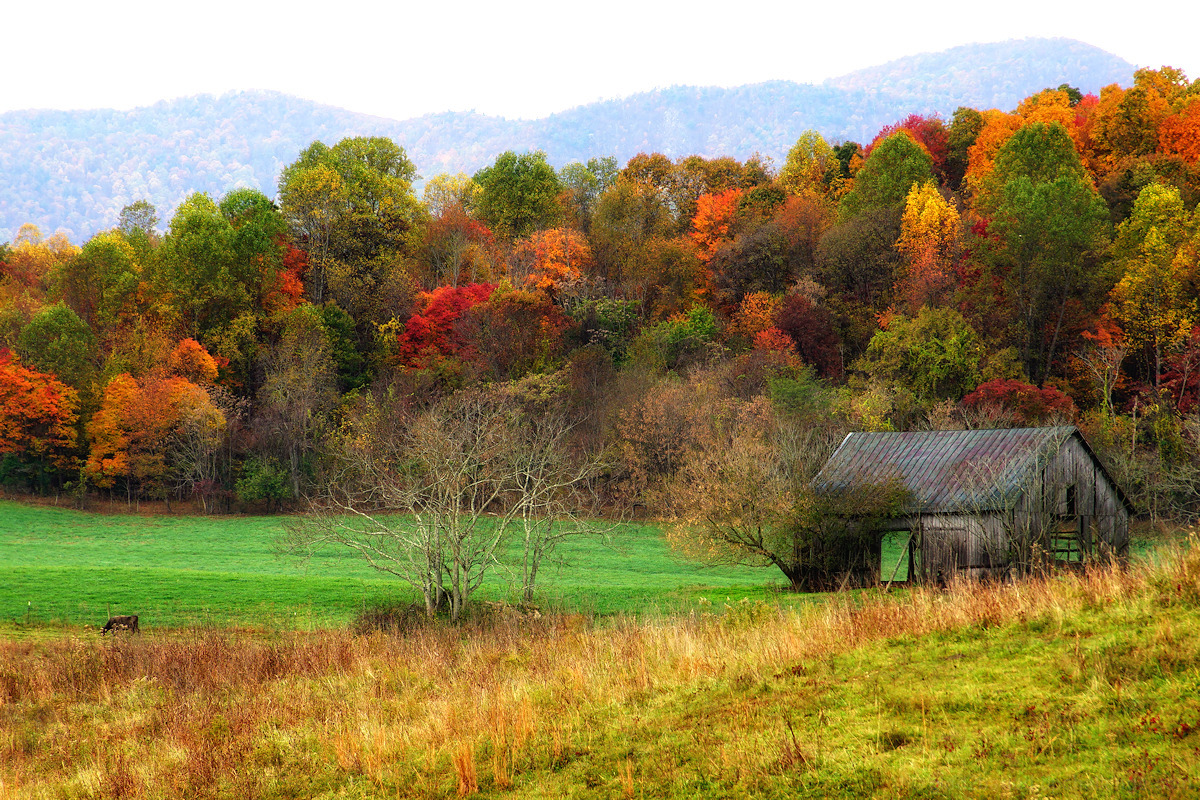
(1179, 582)
(390, 617)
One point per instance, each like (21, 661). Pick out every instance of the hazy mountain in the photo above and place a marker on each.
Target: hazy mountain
(996, 75)
(75, 170)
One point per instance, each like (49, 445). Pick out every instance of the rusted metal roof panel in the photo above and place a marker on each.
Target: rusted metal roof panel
(946, 471)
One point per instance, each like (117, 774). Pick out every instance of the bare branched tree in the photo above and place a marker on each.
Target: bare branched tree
(194, 448)
(432, 498)
(554, 492)
(1015, 510)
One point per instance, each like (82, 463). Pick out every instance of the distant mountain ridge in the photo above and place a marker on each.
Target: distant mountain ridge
(75, 170)
(992, 75)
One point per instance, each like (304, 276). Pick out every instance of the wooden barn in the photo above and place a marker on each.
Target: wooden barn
(989, 502)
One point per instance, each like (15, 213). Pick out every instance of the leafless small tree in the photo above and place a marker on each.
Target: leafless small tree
(433, 497)
(554, 492)
(193, 449)
(1020, 503)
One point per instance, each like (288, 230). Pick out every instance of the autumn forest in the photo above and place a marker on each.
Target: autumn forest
(998, 268)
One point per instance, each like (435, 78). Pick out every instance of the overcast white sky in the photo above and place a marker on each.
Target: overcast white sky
(515, 58)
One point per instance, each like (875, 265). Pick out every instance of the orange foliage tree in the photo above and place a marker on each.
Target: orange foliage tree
(1179, 133)
(998, 128)
(282, 287)
(552, 261)
(755, 315)
(1125, 124)
(191, 361)
(713, 218)
(160, 432)
(37, 421)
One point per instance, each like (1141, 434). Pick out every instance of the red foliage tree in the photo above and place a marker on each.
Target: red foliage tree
(810, 326)
(1181, 378)
(930, 132)
(1025, 404)
(774, 340)
(432, 331)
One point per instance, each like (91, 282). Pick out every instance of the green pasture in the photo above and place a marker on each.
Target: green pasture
(60, 566)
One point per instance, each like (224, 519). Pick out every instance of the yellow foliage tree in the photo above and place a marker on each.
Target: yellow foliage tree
(811, 166)
(1150, 301)
(930, 239)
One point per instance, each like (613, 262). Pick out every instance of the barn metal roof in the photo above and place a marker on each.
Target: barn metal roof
(946, 471)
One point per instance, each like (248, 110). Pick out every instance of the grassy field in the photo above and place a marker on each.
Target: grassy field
(687, 683)
(1067, 686)
(67, 567)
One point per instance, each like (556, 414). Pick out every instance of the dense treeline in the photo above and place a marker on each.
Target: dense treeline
(998, 268)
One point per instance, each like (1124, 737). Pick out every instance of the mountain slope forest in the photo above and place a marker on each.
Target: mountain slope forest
(75, 170)
(685, 336)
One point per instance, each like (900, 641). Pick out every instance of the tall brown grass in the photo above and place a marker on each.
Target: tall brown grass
(449, 711)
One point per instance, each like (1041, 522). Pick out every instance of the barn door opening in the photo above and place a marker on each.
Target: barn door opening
(898, 558)
(901, 560)
(1069, 540)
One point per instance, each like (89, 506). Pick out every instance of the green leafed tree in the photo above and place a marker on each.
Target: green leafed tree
(965, 127)
(100, 283)
(193, 267)
(584, 183)
(58, 342)
(1053, 226)
(937, 355)
(518, 194)
(298, 389)
(890, 170)
(138, 223)
(352, 205)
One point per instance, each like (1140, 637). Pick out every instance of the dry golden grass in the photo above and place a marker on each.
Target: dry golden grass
(508, 704)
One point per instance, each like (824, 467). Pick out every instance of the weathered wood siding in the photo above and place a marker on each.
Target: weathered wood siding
(1071, 489)
(1073, 486)
(976, 544)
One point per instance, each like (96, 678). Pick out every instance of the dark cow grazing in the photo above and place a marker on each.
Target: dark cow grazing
(126, 623)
